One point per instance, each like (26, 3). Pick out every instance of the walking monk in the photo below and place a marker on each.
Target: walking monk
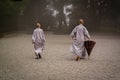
(79, 34)
(38, 39)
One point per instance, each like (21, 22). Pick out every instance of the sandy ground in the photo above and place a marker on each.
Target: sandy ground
(17, 59)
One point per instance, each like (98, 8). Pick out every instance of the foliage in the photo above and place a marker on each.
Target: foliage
(9, 10)
(9, 7)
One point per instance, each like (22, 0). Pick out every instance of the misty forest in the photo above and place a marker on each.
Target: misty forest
(59, 16)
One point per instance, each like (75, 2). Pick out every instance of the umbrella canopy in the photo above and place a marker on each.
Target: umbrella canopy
(89, 45)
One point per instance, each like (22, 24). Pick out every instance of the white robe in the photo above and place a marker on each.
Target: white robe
(38, 38)
(79, 34)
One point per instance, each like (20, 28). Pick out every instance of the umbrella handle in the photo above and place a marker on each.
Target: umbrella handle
(88, 39)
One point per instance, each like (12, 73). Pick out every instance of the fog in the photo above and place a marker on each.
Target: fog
(61, 16)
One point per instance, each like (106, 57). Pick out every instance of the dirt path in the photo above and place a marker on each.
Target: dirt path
(17, 59)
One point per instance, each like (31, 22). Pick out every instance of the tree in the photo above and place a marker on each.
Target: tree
(9, 10)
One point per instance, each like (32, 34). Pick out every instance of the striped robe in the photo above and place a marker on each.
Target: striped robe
(38, 39)
(79, 34)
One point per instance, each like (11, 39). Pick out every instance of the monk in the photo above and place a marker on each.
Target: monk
(79, 34)
(38, 39)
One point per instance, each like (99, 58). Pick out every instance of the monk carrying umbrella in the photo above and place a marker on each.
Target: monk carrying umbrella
(79, 34)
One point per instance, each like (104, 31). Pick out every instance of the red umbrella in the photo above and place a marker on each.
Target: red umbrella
(89, 45)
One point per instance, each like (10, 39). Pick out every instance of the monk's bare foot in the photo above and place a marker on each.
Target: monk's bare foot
(77, 58)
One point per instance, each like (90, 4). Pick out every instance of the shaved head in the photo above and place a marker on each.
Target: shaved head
(81, 21)
(38, 25)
